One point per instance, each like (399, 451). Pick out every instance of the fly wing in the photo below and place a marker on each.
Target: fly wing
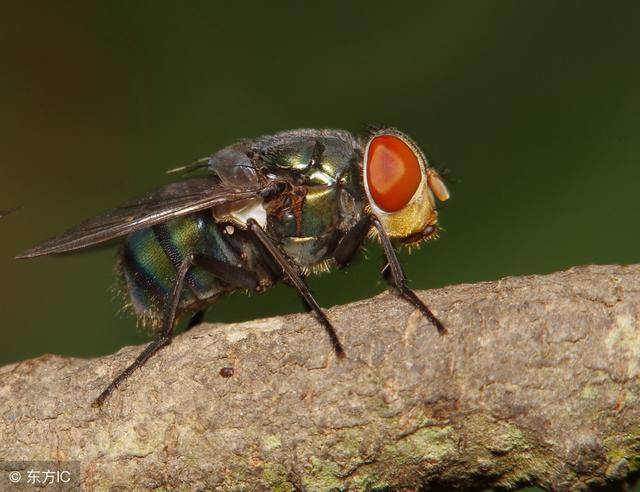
(174, 200)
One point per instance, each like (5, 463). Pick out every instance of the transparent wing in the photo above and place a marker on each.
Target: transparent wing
(174, 200)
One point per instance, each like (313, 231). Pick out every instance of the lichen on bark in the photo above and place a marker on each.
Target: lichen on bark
(537, 382)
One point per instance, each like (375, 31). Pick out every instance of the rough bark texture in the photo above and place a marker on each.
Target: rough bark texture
(537, 382)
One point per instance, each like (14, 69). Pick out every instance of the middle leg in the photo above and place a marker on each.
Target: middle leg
(297, 282)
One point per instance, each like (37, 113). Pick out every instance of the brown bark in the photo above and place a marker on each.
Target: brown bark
(537, 382)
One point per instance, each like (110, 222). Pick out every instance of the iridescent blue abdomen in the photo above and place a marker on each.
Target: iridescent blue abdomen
(149, 260)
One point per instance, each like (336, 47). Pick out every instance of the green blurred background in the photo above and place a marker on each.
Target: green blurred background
(533, 106)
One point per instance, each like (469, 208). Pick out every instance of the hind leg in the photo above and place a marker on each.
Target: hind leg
(229, 273)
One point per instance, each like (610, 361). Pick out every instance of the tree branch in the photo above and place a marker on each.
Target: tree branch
(536, 382)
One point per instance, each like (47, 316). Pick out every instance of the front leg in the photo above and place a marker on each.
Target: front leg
(395, 276)
(351, 242)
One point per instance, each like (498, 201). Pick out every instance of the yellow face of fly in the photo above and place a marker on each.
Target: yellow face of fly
(400, 186)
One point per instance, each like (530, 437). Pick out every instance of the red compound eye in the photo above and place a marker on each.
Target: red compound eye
(393, 172)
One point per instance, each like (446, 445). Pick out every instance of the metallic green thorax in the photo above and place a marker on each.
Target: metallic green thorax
(325, 165)
(323, 199)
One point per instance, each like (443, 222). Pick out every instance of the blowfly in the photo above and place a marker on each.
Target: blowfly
(271, 209)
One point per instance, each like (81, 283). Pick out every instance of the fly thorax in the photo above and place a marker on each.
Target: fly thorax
(306, 224)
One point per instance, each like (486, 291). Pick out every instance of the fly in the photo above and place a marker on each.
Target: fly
(271, 209)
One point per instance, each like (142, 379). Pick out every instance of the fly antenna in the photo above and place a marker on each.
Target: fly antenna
(200, 163)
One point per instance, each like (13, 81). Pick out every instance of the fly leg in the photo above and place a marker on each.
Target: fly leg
(297, 282)
(168, 321)
(232, 274)
(395, 276)
(351, 241)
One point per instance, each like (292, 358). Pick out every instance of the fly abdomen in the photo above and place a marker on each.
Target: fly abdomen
(150, 258)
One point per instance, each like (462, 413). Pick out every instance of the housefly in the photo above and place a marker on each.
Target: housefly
(271, 209)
